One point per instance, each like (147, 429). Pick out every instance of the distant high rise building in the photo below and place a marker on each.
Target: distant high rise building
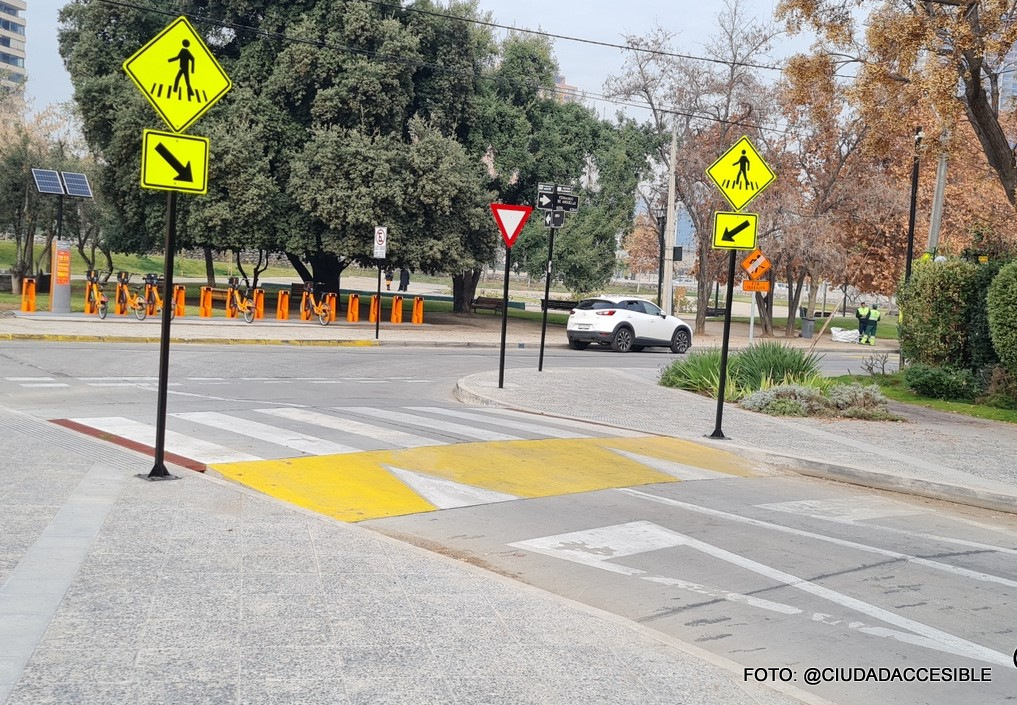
(12, 42)
(564, 93)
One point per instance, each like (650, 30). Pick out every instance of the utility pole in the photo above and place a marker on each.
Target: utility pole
(914, 204)
(668, 243)
(936, 222)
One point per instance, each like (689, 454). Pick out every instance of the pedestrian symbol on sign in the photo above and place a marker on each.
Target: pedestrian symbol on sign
(741, 174)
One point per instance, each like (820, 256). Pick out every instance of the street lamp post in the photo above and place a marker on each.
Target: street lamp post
(661, 215)
(914, 203)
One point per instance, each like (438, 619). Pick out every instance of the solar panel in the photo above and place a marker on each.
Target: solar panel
(77, 184)
(48, 181)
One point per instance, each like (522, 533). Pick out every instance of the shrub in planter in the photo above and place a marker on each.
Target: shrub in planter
(855, 396)
(941, 382)
(1000, 389)
(1002, 300)
(935, 314)
(785, 399)
(769, 361)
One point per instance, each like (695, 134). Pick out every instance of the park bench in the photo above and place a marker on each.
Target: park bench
(557, 305)
(486, 302)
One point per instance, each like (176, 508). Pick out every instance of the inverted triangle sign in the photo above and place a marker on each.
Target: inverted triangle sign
(510, 220)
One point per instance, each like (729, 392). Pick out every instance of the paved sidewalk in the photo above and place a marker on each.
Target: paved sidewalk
(934, 454)
(116, 590)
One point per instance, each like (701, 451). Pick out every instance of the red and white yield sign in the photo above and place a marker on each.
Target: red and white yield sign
(510, 220)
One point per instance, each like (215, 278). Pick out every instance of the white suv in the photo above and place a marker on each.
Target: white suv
(626, 324)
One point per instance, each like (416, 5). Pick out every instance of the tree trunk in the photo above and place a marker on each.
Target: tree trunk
(327, 268)
(209, 266)
(109, 262)
(794, 294)
(302, 271)
(764, 307)
(464, 290)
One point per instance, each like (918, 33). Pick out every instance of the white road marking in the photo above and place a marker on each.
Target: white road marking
(587, 426)
(852, 516)
(446, 494)
(206, 379)
(936, 565)
(677, 470)
(380, 433)
(29, 379)
(178, 443)
(44, 385)
(112, 384)
(264, 432)
(849, 510)
(596, 546)
(414, 420)
(119, 379)
(507, 423)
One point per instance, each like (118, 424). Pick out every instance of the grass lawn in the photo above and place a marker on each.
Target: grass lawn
(893, 387)
(886, 330)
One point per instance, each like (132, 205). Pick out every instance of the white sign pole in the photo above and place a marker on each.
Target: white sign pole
(752, 314)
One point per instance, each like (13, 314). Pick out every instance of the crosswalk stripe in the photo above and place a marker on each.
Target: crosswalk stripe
(435, 424)
(386, 435)
(29, 379)
(44, 385)
(588, 426)
(264, 432)
(507, 423)
(178, 443)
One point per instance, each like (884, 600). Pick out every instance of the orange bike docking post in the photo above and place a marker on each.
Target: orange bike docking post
(397, 310)
(205, 302)
(375, 314)
(418, 310)
(150, 298)
(179, 300)
(333, 302)
(353, 308)
(89, 306)
(282, 306)
(259, 304)
(230, 311)
(28, 294)
(305, 312)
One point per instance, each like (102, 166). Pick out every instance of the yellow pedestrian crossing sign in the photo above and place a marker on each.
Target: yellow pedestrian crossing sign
(741, 174)
(178, 75)
(174, 162)
(734, 231)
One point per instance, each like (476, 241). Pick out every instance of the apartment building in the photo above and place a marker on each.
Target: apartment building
(12, 42)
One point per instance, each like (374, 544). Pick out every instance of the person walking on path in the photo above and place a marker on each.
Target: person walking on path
(870, 325)
(862, 314)
(404, 279)
(388, 279)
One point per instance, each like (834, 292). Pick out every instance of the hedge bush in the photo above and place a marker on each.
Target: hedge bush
(941, 382)
(936, 313)
(981, 351)
(1002, 305)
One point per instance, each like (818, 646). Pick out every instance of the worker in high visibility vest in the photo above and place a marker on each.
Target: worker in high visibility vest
(862, 314)
(870, 325)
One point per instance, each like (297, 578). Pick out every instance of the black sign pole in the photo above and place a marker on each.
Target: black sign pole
(377, 319)
(504, 317)
(718, 432)
(547, 297)
(159, 471)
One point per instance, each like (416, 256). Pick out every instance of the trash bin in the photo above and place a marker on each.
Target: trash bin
(808, 327)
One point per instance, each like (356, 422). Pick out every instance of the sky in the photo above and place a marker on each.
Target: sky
(583, 65)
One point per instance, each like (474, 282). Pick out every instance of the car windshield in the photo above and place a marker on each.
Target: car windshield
(587, 304)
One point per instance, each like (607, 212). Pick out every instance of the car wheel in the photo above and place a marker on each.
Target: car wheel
(621, 341)
(579, 344)
(681, 341)
(636, 348)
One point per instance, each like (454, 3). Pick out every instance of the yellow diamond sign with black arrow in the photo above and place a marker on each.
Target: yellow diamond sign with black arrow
(741, 174)
(735, 231)
(172, 162)
(178, 75)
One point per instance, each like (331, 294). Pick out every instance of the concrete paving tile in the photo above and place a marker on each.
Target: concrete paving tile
(56, 665)
(75, 630)
(211, 584)
(195, 633)
(476, 658)
(126, 605)
(293, 692)
(219, 545)
(433, 605)
(362, 583)
(369, 607)
(194, 691)
(302, 631)
(396, 661)
(504, 691)
(281, 584)
(280, 563)
(178, 664)
(398, 691)
(195, 606)
(441, 633)
(84, 692)
(358, 631)
(201, 563)
(341, 563)
(291, 662)
(276, 607)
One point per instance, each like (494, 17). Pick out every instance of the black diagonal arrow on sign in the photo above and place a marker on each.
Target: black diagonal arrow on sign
(183, 172)
(729, 234)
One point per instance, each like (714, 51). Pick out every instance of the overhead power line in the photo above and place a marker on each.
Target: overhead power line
(391, 58)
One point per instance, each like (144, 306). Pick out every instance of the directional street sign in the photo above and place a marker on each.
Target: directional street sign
(756, 264)
(172, 162)
(178, 75)
(756, 286)
(734, 231)
(380, 242)
(545, 197)
(554, 219)
(567, 201)
(510, 220)
(741, 174)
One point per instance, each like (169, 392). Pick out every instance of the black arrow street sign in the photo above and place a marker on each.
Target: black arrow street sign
(183, 172)
(545, 202)
(729, 235)
(567, 201)
(547, 219)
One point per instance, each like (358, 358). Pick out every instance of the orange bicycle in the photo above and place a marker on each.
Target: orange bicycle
(312, 304)
(152, 298)
(96, 297)
(239, 301)
(131, 298)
